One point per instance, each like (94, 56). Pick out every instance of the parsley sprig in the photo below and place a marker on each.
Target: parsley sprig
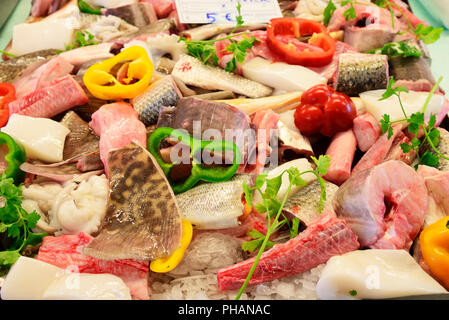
(329, 12)
(394, 49)
(273, 207)
(16, 223)
(428, 34)
(204, 50)
(415, 122)
(349, 13)
(82, 39)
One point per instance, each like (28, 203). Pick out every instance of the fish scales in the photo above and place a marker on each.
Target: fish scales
(162, 93)
(361, 72)
(193, 72)
(11, 69)
(214, 205)
(142, 219)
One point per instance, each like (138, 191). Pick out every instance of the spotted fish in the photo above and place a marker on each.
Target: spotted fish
(359, 72)
(162, 93)
(142, 219)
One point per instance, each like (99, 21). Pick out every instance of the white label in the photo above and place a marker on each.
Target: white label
(225, 11)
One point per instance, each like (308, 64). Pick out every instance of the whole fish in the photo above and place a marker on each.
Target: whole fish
(214, 205)
(358, 73)
(142, 219)
(193, 72)
(11, 69)
(162, 93)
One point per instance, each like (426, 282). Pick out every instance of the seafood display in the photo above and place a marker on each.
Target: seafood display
(145, 156)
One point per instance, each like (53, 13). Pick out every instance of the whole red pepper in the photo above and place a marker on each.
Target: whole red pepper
(7, 95)
(295, 28)
(323, 110)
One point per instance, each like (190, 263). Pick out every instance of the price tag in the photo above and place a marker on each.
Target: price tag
(225, 11)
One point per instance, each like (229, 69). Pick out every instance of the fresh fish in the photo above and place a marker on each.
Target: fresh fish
(281, 76)
(165, 65)
(66, 251)
(57, 67)
(385, 205)
(341, 152)
(210, 30)
(162, 44)
(233, 124)
(279, 102)
(138, 14)
(292, 142)
(81, 55)
(193, 72)
(62, 172)
(358, 73)
(143, 218)
(322, 240)
(163, 7)
(218, 95)
(365, 39)
(160, 26)
(304, 202)
(396, 152)
(366, 130)
(61, 95)
(90, 162)
(11, 69)
(443, 148)
(378, 152)
(214, 205)
(80, 140)
(161, 93)
(117, 124)
(412, 72)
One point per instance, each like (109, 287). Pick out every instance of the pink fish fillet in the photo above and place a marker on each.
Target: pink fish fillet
(54, 69)
(396, 152)
(66, 251)
(367, 131)
(437, 184)
(82, 55)
(377, 153)
(60, 95)
(385, 205)
(341, 151)
(162, 7)
(117, 124)
(327, 237)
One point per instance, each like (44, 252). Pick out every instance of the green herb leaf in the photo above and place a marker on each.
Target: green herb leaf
(7, 258)
(428, 34)
(248, 194)
(349, 13)
(430, 159)
(294, 230)
(353, 293)
(260, 207)
(323, 163)
(394, 49)
(329, 12)
(273, 186)
(406, 148)
(8, 54)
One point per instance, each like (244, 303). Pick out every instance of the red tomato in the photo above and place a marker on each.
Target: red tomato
(308, 119)
(318, 95)
(341, 110)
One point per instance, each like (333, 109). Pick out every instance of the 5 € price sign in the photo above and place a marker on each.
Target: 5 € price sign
(225, 11)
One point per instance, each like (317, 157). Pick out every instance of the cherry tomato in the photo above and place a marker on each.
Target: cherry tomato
(317, 95)
(309, 119)
(341, 110)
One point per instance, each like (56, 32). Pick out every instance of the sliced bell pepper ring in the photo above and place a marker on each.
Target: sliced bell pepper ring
(434, 243)
(163, 265)
(295, 28)
(199, 172)
(7, 95)
(86, 8)
(14, 158)
(103, 84)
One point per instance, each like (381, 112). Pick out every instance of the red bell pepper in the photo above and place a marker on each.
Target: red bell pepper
(7, 95)
(295, 28)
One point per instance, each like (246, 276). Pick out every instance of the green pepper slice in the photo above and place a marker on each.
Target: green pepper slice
(14, 158)
(198, 172)
(84, 7)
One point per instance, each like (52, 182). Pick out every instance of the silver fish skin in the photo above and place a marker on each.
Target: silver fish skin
(214, 205)
(11, 69)
(193, 72)
(359, 72)
(304, 203)
(162, 93)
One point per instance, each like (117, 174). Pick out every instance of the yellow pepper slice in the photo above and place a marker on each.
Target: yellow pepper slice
(167, 264)
(434, 242)
(104, 85)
